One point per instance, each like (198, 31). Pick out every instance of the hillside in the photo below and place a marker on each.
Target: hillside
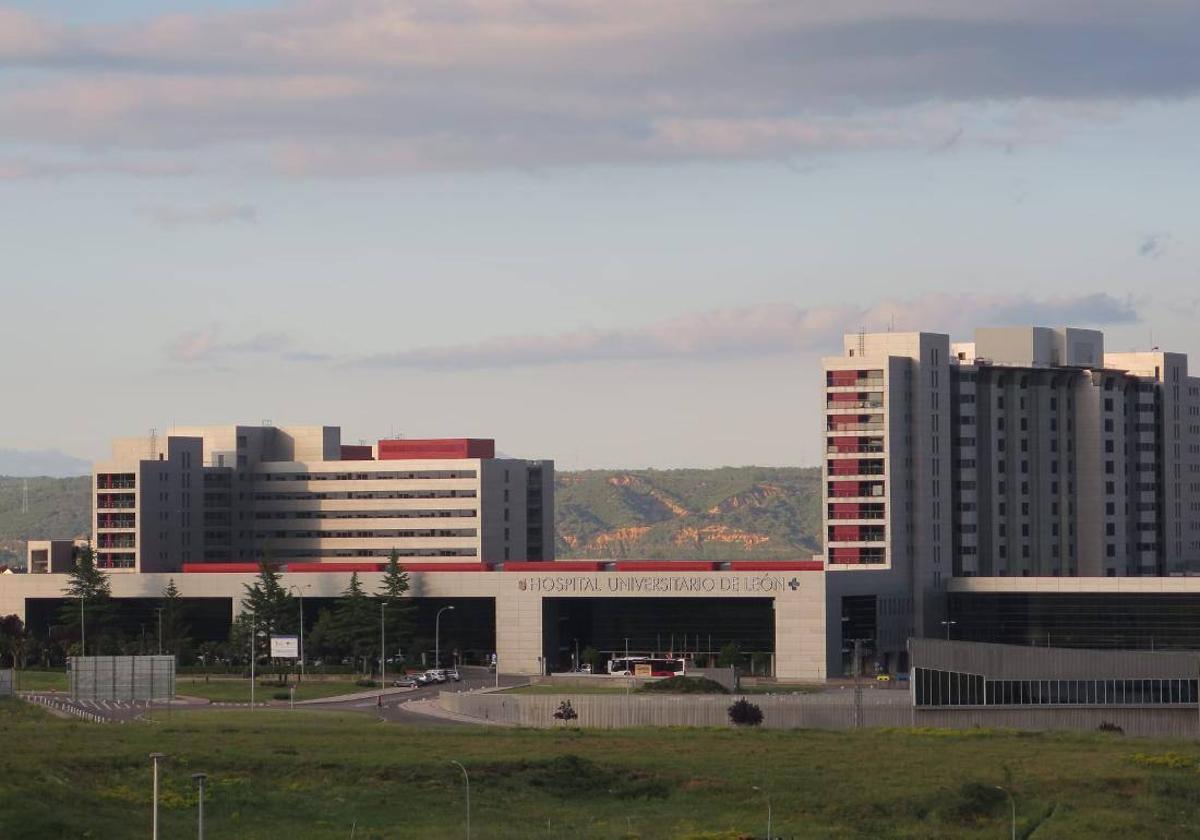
(58, 507)
(727, 513)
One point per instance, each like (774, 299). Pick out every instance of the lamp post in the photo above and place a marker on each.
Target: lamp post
(82, 629)
(437, 638)
(765, 793)
(299, 590)
(253, 633)
(467, 780)
(382, 653)
(948, 624)
(199, 779)
(159, 610)
(1013, 802)
(155, 756)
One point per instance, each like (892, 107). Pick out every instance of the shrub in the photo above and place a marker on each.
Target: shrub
(565, 711)
(1172, 760)
(685, 685)
(365, 683)
(1105, 726)
(281, 695)
(745, 713)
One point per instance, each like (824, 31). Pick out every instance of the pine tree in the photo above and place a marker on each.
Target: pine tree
(89, 599)
(268, 608)
(399, 609)
(13, 639)
(174, 620)
(354, 626)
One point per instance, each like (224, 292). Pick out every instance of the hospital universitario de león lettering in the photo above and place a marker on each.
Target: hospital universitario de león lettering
(659, 584)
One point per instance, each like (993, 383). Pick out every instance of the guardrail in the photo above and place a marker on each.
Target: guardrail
(67, 708)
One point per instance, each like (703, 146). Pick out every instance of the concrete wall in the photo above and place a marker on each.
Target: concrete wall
(615, 711)
(799, 597)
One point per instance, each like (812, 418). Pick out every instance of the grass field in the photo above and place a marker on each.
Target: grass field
(325, 775)
(42, 680)
(238, 691)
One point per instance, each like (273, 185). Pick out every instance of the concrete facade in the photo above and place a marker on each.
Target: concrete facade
(799, 599)
(240, 494)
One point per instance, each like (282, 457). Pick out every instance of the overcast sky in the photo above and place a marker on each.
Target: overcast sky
(610, 233)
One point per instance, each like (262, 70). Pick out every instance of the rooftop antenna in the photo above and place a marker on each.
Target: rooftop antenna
(892, 323)
(862, 341)
(153, 444)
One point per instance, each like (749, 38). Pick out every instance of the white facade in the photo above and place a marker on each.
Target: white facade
(241, 494)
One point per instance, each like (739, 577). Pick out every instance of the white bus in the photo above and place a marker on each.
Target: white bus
(646, 666)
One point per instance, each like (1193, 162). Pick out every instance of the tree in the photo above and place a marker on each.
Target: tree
(174, 620)
(267, 608)
(353, 627)
(89, 589)
(729, 654)
(13, 639)
(398, 615)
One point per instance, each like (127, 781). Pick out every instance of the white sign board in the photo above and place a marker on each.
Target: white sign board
(285, 647)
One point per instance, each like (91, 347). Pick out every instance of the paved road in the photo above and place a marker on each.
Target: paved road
(393, 708)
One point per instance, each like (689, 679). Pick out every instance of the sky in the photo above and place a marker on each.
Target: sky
(611, 233)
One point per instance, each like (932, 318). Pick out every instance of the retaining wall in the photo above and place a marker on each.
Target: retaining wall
(826, 711)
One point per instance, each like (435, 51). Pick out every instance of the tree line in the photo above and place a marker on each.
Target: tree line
(88, 622)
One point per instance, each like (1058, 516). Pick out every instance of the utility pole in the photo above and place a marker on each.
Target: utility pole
(253, 633)
(382, 654)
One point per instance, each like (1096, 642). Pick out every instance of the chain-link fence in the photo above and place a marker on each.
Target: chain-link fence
(122, 677)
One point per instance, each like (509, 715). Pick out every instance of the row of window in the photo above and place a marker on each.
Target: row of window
(934, 687)
(366, 476)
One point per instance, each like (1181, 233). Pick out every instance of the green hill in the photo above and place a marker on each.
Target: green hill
(727, 513)
(58, 507)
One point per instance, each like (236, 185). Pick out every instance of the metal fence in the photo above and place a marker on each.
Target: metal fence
(122, 677)
(6, 683)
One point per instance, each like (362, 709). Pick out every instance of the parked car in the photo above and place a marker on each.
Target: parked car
(452, 674)
(436, 675)
(408, 681)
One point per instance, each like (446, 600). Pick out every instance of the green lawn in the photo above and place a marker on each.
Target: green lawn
(238, 691)
(566, 689)
(324, 775)
(41, 680)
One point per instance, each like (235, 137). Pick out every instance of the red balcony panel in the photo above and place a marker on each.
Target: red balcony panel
(844, 555)
(844, 489)
(846, 396)
(845, 510)
(842, 378)
(845, 533)
(844, 467)
(844, 444)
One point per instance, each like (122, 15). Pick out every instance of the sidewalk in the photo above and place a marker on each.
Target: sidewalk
(430, 708)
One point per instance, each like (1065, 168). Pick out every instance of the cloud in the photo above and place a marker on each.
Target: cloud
(204, 346)
(212, 214)
(368, 86)
(1153, 245)
(725, 334)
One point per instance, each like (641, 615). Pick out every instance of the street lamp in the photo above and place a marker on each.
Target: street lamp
(437, 627)
(467, 780)
(382, 654)
(199, 779)
(765, 793)
(948, 624)
(1013, 802)
(159, 610)
(154, 823)
(299, 590)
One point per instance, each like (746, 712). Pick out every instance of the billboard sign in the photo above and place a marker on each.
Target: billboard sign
(285, 647)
